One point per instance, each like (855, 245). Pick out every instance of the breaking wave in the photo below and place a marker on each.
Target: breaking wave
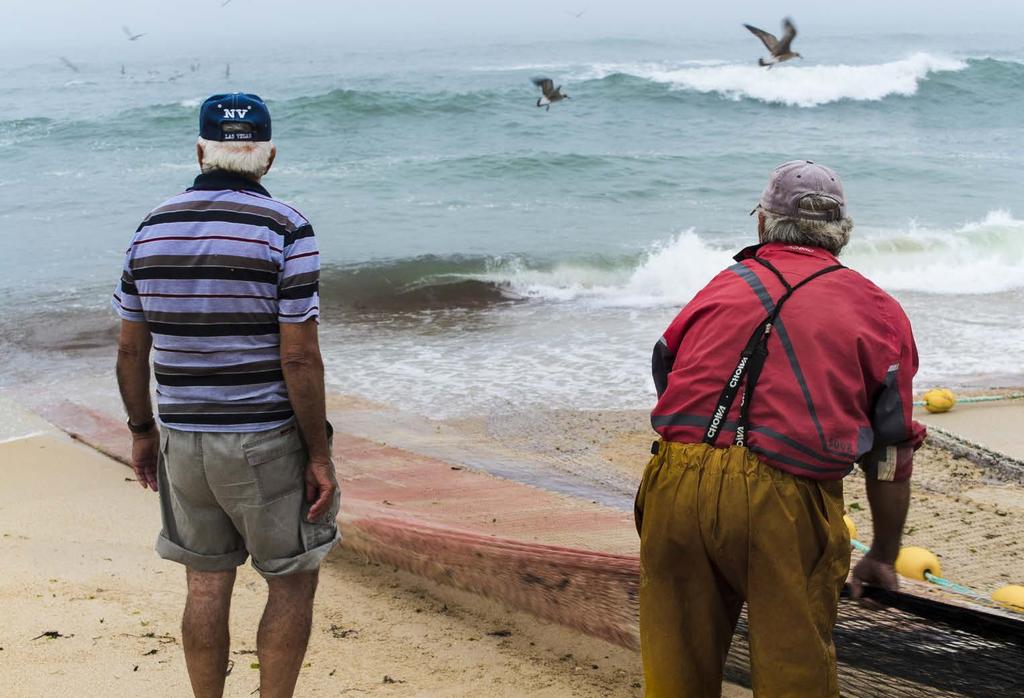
(976, 258)
(950, 83)
(794, 84)
(980, 257)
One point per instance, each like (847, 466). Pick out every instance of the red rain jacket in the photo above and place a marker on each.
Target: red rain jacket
(837, 385)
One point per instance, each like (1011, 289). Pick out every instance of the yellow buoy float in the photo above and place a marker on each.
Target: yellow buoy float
(914, 562)
(1011, 596)
(939, 400)
(850, 526)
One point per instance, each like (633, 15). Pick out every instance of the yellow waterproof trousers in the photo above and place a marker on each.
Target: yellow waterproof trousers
(719, 528)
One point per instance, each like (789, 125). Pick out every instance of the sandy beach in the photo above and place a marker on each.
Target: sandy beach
(489, 275)
(77, 537)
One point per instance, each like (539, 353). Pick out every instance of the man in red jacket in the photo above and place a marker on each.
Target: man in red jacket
(780, 375)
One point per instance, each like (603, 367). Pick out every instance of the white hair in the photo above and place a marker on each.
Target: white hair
(247, 158)
(829, 235)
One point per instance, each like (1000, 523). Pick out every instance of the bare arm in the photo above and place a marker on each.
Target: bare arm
(133, 346)
(303, 370)
(889, 502)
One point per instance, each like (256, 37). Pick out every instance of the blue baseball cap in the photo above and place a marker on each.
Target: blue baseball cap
(234, 117)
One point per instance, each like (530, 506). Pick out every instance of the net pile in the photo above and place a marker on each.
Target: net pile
(916, 644)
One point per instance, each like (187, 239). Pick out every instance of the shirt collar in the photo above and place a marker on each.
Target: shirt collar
(219, 180)
(770, 248)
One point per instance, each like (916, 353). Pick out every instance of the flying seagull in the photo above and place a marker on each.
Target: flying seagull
(128, 33)
(69, 64)
(778, 48)
(225, 3)
(549, 93)
(577, 15)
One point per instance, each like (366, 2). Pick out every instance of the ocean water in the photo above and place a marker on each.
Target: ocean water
(482, 255)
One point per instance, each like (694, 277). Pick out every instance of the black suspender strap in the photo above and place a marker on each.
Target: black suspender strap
(751, 362)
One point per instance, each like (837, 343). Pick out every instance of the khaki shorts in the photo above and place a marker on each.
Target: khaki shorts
(226, 496)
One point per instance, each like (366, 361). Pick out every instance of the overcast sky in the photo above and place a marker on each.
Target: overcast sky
(48, 26)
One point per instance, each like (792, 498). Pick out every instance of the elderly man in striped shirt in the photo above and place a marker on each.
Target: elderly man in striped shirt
(221, 282)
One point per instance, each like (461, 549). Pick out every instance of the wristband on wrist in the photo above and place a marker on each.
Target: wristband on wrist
(143, 428)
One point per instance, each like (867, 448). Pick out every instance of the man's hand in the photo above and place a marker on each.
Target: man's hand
(875, 572)
(889, 502)
(145, 451)
(321, 484)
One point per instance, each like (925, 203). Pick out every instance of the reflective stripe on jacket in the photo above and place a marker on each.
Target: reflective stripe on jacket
(837, 387)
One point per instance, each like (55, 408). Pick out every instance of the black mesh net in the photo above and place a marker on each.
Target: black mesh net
(928, 646)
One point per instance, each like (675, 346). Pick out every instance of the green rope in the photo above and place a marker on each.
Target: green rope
(979, 398)
(956, 588)
(934, 579)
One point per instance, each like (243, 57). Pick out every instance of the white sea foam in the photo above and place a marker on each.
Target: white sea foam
(191, 103)
(669, 274)
(794, 84)
(977, 258)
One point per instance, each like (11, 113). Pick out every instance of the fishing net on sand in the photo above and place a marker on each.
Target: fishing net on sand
(919, 641)
(925, 640)
(916, 644)
(967, 509)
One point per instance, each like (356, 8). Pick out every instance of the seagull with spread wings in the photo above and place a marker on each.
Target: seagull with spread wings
(128, 33)
(549, 93)
(779, 49)
(68, 64)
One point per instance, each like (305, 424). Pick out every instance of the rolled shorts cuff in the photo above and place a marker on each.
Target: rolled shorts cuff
(169, 550)
(303, 562)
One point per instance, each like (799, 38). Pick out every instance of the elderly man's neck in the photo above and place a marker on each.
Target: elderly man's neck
(220, 180)
(217, 172)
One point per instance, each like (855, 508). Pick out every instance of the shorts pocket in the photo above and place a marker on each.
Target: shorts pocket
(272, 529)
(317, 533)
(277, 461)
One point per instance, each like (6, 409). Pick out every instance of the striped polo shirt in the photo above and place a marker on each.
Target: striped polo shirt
(212, 272)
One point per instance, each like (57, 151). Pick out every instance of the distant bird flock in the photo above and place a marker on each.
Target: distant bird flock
(132, 36)
(779, 51)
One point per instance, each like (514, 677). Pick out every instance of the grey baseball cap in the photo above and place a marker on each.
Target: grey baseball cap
(795, 180)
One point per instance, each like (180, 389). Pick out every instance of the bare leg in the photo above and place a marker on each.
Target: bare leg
(284, 632)
(204, 630)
